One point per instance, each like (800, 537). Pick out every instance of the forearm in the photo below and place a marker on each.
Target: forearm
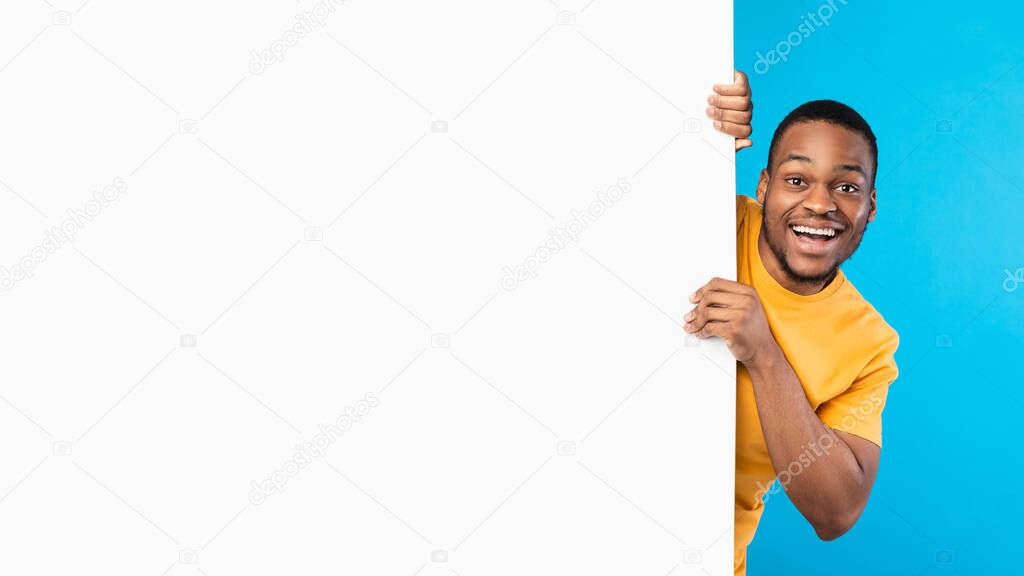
(823, 477)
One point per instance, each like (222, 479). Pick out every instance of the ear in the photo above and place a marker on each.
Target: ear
(871, 211)
(762, 188)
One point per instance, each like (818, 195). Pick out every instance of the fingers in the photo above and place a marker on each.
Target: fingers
(715, 328)
(734, 116)
(731, 89)
(735, 123)
(732, 109)
(699, 317)
(734, 130)
(730, 102)
(718, 284)
(723, 299)
(740, 86)
(701, 324)
(712, 329)
(718, 301)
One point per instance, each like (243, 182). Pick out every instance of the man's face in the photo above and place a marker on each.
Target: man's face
(818, 199)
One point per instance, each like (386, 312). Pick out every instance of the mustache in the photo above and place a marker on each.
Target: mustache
(838, 222)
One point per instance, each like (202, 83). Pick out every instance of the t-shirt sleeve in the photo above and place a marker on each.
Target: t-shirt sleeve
(858, 409)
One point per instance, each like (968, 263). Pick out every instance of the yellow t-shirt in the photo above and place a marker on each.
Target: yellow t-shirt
(840, 348)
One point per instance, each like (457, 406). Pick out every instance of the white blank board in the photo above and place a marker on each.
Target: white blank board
(359, 287)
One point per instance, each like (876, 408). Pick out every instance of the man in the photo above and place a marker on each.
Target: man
(815, 359)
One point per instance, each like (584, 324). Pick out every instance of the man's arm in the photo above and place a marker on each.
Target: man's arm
(830, 472)
(731, 108)
(833, 489)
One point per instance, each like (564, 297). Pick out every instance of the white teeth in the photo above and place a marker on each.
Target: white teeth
(816, 231)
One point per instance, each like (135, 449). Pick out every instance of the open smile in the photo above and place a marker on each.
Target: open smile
(815, 240)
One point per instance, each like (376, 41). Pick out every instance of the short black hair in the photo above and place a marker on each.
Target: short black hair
(832, 112)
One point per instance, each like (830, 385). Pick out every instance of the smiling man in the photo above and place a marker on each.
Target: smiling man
(815, 358)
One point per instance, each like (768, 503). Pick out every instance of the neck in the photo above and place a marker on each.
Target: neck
(778, 272)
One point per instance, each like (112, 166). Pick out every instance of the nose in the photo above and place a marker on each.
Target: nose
(819, 199)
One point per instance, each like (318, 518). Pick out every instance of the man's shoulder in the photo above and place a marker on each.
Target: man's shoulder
(865, 322)
(746, 208)
(745, 203)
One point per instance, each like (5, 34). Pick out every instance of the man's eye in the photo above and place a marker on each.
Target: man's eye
(847, 188)
(795, 181)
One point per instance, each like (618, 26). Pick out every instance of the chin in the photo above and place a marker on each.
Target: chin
(810, 272)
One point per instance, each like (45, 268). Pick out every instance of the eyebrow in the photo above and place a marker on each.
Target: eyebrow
(799, 158)
(850, 168)
(838, 168)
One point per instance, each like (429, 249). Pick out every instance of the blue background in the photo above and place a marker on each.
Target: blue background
(942, 85)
